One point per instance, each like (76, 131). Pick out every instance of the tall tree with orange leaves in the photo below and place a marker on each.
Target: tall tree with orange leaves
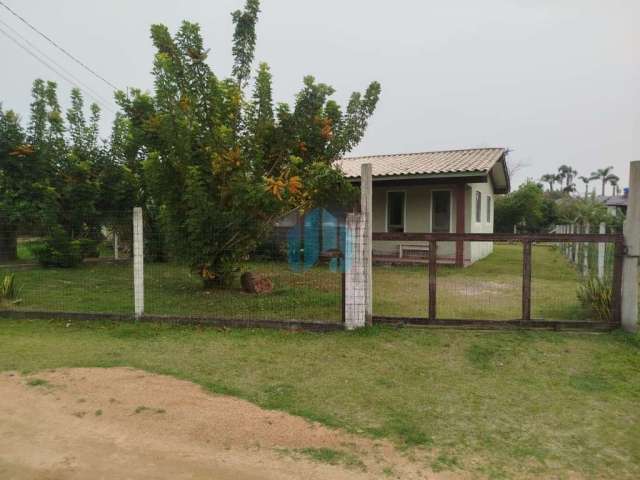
(220, 165)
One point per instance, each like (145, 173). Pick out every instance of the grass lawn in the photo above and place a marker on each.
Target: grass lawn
(499, 405)
(489, 289)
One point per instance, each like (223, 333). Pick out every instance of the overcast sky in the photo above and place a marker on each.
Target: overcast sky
(556, 81)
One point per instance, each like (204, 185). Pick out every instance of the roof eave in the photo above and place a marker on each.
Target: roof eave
(423, 176)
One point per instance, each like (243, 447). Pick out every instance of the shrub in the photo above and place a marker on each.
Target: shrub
(57, 251)
(88, 247)
(597, 298)
(272, 248)
(9, 290)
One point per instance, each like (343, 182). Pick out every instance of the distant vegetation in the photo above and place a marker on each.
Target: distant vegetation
(533, 209)
(211, 162)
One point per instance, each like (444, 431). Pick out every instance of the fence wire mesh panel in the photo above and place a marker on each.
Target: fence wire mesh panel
(401, 279)
(294, 273)
(489, 287)
(503, 278)
(62, 271)
(573, 281)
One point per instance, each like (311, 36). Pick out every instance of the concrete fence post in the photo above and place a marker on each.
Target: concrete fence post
(585, 252)
(576, 246)
(632, 242)
(138, 263)
(601, 252)
(366, 209)
(354, 276)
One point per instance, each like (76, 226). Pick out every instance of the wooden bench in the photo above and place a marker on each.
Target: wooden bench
(420, 248)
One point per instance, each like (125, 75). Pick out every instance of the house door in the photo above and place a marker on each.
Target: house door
(441, 211)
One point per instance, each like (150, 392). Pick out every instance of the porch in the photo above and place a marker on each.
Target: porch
(430, 207)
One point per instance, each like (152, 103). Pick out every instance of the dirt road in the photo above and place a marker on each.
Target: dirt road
(122, 423)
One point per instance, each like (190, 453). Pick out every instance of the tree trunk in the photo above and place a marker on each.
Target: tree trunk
(8, 243)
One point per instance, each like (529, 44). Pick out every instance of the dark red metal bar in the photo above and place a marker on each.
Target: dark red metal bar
(499, 237)
(618, 260)
(433, 265)
(526, 281)
(572, 325)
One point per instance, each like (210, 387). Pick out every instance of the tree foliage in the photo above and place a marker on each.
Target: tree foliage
(528, 208)
(221, 167)
(57, 176)
(26, 194)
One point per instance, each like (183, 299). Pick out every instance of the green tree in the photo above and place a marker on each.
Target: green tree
(26, 198)
(221, 168)
(604, 175)
(528, 208)
(586, 181)
(244, 40)
(550, 179)
(614, 180)
(77, 174)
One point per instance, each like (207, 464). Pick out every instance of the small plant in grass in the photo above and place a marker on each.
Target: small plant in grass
(596, 297)
(9, 290)
(332, 457)
(37, 382)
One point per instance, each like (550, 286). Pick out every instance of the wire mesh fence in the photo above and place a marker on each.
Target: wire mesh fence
(288, 276)
(505, 278)
(293, 273)
(53, 271)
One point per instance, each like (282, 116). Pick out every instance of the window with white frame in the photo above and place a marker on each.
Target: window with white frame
(395, 211)
(488, 208)
(478, 207)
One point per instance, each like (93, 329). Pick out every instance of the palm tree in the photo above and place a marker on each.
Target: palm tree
(549, 178)
(603, 174)
(614, 180)
(563, 172)
(586, 181)
(567, 173)
(559, 178)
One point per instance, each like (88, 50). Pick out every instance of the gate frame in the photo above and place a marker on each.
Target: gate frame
(527, 241)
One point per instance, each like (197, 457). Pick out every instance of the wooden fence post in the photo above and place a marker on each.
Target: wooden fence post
(433, 267)
(138, 263)
(601, 252)
(526, 280)
(366, 201)
(116, 253)
(629, 308)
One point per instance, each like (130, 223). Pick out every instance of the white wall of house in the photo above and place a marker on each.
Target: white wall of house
(418, 217)
(480, 250)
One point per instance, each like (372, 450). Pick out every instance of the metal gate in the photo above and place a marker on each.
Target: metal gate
(435, 311)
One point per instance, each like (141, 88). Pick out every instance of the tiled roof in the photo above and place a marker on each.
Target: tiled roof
(616, 201)
(479, 160)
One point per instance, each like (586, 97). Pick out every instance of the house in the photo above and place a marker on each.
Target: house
(441, 192)
(617, 204)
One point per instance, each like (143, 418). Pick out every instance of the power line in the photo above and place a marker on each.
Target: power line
(93, 72)
(44, 54)
(61, 75)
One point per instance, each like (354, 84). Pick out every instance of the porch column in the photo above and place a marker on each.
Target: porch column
(460, 216)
